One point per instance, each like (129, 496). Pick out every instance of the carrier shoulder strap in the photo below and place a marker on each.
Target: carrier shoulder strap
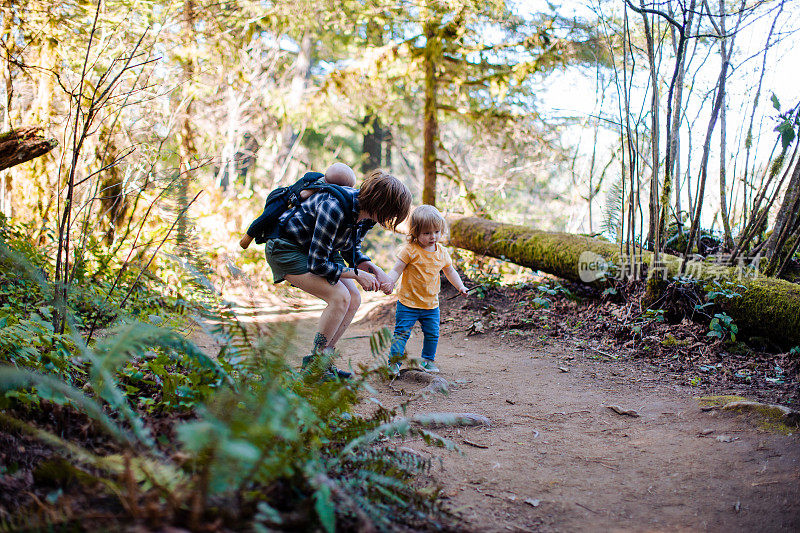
(302, 184)
(312, 180)
(345, 198)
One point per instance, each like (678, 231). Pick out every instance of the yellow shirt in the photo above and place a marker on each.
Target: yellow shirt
(420, 285)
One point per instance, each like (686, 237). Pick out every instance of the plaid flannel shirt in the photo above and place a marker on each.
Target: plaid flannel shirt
(319, 225)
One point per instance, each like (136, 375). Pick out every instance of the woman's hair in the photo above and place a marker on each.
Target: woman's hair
(384, 197)
(425, 218)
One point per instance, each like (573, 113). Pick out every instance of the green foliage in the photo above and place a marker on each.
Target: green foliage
(256, 423)
(717, 293)
(610, 291)
(541, 302)
(58, 391)
(722, 326)
(549, 289)
(143, 357)
(788, 124)
(653, 315)
(489, 273)
(485, 279)
(648, 317)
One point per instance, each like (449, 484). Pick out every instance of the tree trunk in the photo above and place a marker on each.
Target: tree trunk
(674, 105)
(113, 202)
(372, 143)
(387, 149)
(767, 306)
(653, 234)
(23, 144)
(186, 135)
(431, 126)
(695, 228)
(786, 220)
(725, 55)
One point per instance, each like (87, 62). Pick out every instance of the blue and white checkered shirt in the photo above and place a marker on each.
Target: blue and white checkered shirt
(319, 225)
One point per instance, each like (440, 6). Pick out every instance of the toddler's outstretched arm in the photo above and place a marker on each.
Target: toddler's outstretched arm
(453, 277)
(393, 275)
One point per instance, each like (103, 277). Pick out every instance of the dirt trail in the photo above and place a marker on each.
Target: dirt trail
(556, 458)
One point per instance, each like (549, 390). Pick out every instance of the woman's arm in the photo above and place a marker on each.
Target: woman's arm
(366, 279)
(369, 266)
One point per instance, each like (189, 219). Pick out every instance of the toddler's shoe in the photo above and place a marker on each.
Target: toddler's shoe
(394, 369)
(429, 366)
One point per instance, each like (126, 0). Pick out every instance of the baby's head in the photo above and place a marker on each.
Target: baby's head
(425, 218)
(340, 174)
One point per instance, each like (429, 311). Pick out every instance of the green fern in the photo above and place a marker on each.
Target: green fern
(15, 378)
(613, 209)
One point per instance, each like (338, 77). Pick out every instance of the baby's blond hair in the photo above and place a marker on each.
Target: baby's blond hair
(425, 218)
(340, 174)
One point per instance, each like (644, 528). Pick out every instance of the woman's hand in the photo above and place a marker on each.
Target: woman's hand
(382, 277)
(367, 281)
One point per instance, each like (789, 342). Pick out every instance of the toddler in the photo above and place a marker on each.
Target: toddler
(420, 261)
(337, 173)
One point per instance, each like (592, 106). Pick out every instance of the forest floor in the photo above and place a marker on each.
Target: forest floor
(556, 456)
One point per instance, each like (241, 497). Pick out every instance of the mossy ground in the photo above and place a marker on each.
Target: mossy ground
(767, 417)
(719, 401)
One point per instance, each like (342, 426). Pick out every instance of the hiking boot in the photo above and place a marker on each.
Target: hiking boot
(429, 366)
(330, 373)
(334, 373)
(341, 374)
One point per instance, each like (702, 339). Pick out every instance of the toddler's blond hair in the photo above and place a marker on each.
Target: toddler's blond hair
(425, 218)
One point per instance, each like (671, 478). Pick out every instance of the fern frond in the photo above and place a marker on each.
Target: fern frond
(15, 378)
(401, 426)
(613, 208)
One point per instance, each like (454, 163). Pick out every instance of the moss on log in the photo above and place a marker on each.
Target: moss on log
(766, 306)
(23, 144)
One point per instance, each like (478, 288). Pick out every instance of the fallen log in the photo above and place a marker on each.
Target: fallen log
(23, 144)
(766, 306)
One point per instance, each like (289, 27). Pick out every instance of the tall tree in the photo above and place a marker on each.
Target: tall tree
(432, 55)
(186, 148)
(470, 65)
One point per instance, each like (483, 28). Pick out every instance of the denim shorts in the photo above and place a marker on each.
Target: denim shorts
(285, 257)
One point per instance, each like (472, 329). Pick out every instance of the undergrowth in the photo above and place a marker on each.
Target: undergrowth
(172, 436)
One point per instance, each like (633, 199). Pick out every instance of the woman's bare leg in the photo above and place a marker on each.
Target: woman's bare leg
(337, 298)
(355, 302)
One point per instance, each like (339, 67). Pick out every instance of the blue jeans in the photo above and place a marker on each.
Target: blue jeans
(405, 318)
